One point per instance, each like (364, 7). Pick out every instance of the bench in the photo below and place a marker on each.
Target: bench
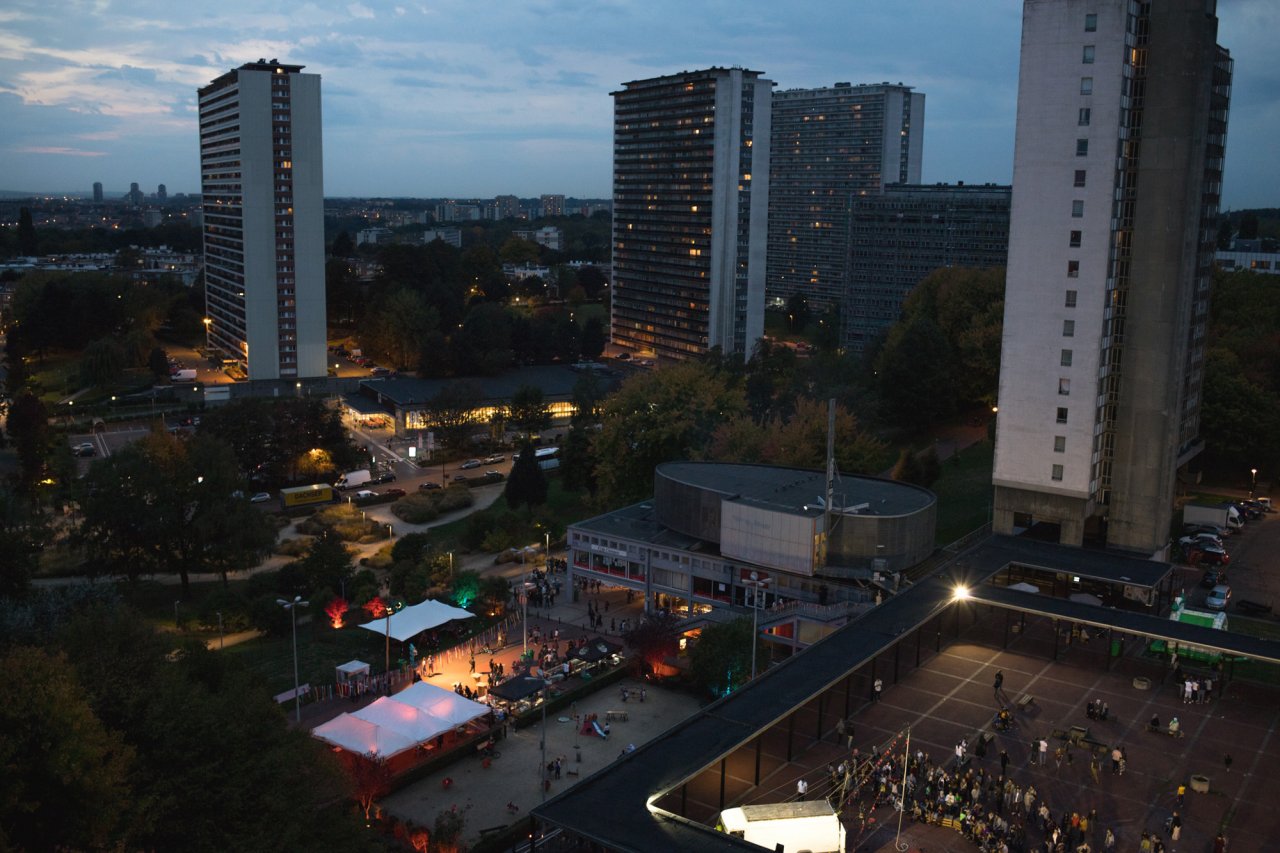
(1077, 734)
(1025, 701)
(610, 716)
(288, 695)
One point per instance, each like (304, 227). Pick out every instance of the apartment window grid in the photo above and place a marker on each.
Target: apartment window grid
(1071, 298)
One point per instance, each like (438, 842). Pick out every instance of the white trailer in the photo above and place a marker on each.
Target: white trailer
(811, 826)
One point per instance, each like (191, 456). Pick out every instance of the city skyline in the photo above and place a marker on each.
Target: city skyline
(457, 99)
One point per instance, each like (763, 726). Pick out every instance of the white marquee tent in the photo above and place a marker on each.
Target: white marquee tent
(408, 623)
(393, 724)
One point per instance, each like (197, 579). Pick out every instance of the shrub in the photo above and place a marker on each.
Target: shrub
(416, 509)
(293, 547)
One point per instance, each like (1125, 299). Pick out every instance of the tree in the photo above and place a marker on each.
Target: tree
(800, 440)
(797, 313)
(519, 252)
(158, 363)
(342, 246)
(721, 661)
(659, 416)
(528, 411)
(102, 362)
(654, 639)
(593, 338)
(169, 506)
(577, 462)
(327, 564)
(588, 393)
(395, 325)
(451, 410)
(527, 484)
(22, 538)
(28, 427)
(915, 375)
(908, 469)
(27, 244)
(66, 781)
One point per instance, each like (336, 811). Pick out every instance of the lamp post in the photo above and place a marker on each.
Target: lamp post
(390, 608)
(755, 621)
(548, 552)
(220, 630)
(1253, 483)
(902, 806)
(208, 346)
(292, 607)
(390, 534)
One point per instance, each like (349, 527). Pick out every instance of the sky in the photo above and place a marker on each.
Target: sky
(476, 98)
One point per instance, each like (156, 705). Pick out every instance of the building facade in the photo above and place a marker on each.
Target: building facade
(831, 147)
(1122, 112)
(552, 205)
(898, 237)
(506, 207)
(97, 192)
(262, 178)
(690, 212)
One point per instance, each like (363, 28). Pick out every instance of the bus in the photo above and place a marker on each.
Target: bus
(548, 458)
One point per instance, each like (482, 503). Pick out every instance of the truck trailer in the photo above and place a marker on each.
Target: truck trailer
(811, 825)
(307, 495)
(1222, 515)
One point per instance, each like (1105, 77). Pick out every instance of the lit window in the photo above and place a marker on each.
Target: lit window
(1090, 23)
(1077, 209)
(1068, 328)
(1057, 472)
(1064, 387)
(1082, 148)
(1087, 59)
(1062, 414)
(1066, 358)
(1086, 85)
(1059, 444)
(1073, 269)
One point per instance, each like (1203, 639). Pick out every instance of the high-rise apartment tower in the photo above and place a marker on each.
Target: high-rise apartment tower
(1122, 116)
(97, 192)
(261, 171)
(690, 212)
(832, 146)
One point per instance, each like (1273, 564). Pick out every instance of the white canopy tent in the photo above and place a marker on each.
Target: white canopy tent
(408, 623)
(351, 669)
(363, 737)
(393, 724)
(442, 704)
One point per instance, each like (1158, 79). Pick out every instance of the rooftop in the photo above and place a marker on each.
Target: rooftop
(799, 491)
(555, 381)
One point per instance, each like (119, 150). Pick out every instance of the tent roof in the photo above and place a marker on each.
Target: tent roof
(595, 649)
(411, 621)
(415, 724)
(442, 704)
(517, 688)
(352, 667)
(363, 737)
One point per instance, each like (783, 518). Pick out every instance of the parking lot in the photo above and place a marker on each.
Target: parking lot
(1252, 573)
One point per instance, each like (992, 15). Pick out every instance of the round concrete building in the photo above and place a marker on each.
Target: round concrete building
(776, 517)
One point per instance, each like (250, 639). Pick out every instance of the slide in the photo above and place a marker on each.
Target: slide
(595, 724)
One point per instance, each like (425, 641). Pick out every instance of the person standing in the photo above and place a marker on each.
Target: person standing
(1109, 841)
(999, 682)
(802, 788)
(1093, 768)
(1044, 752)
(1004, 761)
(1226, 759)
(875, 690)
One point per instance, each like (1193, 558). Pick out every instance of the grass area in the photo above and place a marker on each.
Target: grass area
(320, 649)
(562, 509)
(964, 492)
(587, 310)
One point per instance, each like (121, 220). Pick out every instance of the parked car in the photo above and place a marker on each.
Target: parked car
(459, 478)
(364, 493)
(384, 477)
(428, 486)
(497, 457)
(1220, 532)
(1251, 513)
(84, 449)
(260, 498)
(380, 371)
(1213, 577)
(1200, 539)
(1218, 597)
(1211, 556)
(497, 475)
(471, 463)
(395, 493)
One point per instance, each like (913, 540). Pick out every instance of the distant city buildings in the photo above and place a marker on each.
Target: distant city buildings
(97, 192)
(1258, 256)
(162, 194)
(548, 236)
(452, 211)
(832, 146)
(135, 195)
(373, 236)
(690, 212)
(262, 175)
(452, 236)
(552, 205)
(900, 236)
(506, 207)
(1122, 116)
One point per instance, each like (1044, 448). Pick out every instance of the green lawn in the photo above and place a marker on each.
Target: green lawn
(964, 492)
(320, 649)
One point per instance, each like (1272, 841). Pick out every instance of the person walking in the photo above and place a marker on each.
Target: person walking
(999, 682)
(1109, 841)
(1004, 762)
(1044, 752)
(876, 688)
(1094, 768)
(802, 788)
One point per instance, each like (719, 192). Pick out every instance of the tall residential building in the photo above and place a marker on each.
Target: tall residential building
(552, 205)
(261, 168)
(830, 147)
(97, 192)
(900, 236)
(690, 212)
(135, 195)
(506, 207)
(161, 193)
(1122, 116)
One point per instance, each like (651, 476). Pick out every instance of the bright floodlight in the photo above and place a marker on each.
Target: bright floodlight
(960, 593)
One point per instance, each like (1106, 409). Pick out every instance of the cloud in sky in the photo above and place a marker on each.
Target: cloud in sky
(480, 97)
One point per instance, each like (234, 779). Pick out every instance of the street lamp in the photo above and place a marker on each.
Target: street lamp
(755, 620)
(389, 608)
(548, 552)
(208, 347)
(1253, 484)
(390, 536)
(292, 607)
(219, 630)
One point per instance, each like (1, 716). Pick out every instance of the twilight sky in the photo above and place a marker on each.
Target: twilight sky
(481, 97)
